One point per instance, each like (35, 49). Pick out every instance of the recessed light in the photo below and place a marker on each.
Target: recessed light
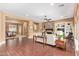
(61, 5)
(61, 16)
(51, 4)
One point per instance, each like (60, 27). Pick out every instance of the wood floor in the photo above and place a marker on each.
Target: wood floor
(25, 47)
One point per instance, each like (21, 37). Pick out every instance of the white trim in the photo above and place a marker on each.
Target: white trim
(76, 46)
(3, 42)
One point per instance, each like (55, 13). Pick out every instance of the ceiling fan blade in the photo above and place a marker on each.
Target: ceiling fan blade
(49, 19)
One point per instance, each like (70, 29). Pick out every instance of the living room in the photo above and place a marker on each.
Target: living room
(39, 29)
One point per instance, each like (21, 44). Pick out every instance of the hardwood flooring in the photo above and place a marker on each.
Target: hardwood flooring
(25, 47)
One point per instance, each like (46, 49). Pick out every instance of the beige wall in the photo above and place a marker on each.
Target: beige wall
(65, 21)
(17, 20)
(12, 21)
(76, 29)
(2, 26)
(3, 20)
(40, 27)
(30, 29)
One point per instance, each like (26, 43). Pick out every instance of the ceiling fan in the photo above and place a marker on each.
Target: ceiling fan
(61, 5)
(47, 19)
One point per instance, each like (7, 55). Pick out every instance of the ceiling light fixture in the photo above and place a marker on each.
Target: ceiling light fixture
(61, 5)
(62, 16)
(47, 19)
(51, 4)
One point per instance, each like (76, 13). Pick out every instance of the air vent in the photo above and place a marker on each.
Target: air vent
(61, 5)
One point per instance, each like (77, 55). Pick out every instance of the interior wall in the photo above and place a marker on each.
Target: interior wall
(40, 27)
(2, 26)
(3, 20)
(76, 18)
(11, 21)
(62, 21)
(76, 29)
(65, 21)
(78, 32)
(30, 29)
(77, 25)
(23, 23)
(30, 25)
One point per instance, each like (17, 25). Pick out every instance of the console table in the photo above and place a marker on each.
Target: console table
(15, 37)
(42, 38)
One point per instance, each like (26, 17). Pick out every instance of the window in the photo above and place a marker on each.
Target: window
(12, 28)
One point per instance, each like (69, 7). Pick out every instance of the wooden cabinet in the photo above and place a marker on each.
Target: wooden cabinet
(61, 44)
(65, 27)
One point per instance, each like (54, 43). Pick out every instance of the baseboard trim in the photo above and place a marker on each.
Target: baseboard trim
(30, 38)
(76, 47)
(3, 42)
(76, 53)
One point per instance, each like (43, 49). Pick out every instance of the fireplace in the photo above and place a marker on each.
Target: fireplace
(49, 31)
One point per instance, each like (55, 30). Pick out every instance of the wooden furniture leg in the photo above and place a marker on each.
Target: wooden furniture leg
(44, 39)
(43, 42)
(33, 39)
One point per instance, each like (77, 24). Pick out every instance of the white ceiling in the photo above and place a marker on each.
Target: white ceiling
(37, 11)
